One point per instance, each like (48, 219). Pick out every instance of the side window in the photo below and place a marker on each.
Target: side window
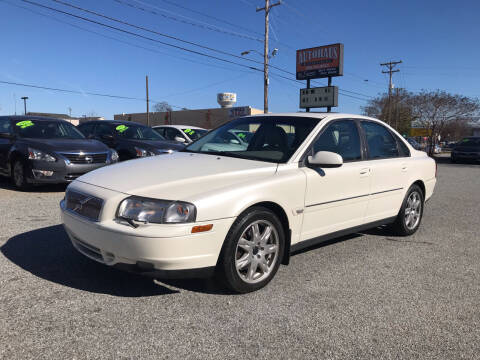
(170, 133)
(340, 137)
(5, 126)
(403, 149)
(161, 131)
(103, 129)
(87, 129)
(381, 143)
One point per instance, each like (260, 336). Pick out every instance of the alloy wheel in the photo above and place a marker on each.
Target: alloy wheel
(257, 251)
(413, 210)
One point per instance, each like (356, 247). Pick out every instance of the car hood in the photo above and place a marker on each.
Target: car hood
(156, 144)
(467, 148)
(177, 176)
(66, 145)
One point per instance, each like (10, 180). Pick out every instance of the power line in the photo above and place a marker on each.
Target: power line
(126, 42)
(152, 31)
(211, 17)
(141, 36)
(174, 18)
(70, 91)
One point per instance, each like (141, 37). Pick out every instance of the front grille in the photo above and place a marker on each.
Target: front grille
(81, 158)
(84, 205)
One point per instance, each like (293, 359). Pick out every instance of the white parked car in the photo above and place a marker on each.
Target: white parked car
(304, 178)
(180, 133)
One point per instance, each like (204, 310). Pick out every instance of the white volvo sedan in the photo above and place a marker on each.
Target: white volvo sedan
(304, 178)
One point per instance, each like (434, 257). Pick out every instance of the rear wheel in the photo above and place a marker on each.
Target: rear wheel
(410, 215)
(252, 251)
(18, 175)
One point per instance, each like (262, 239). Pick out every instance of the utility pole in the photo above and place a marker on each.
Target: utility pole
(267, 8)
(25, 104)
(69, 111)
(148, 111)
(390, 65)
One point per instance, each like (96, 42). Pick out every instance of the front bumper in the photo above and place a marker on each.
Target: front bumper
(62, 172)
(161, 250)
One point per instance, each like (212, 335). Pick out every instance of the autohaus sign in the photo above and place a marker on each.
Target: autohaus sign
(320, 62)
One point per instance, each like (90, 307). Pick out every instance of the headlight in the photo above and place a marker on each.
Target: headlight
(34, 154)
(142, 152)
(113, 155)
(156, 211)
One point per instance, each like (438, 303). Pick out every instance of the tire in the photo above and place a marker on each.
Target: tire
(18, 175)
(410, 215)
(248, 262)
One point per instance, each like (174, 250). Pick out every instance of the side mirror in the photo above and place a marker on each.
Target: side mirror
(179, 139)
(325, 159)
(4, 135)
(234, 141)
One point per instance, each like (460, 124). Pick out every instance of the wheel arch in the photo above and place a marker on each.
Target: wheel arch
(421, 184)
(280, 212)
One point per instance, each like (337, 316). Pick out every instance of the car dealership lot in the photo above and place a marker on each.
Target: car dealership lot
(365, 295)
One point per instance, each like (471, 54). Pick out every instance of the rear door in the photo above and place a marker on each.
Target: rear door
(389, 170)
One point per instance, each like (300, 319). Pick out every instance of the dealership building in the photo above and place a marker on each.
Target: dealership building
(204, 118)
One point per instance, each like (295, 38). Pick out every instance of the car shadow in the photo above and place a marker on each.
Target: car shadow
(49, 254)
(6, 184)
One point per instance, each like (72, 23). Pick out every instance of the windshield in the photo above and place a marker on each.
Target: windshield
(44, 129)
(273, 139)
(194, 134)
(470, 142)
(137, 132)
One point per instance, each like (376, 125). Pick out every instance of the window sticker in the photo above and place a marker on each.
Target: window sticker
(189, 131)
(121, 128)
(24, 124)
(242, 136)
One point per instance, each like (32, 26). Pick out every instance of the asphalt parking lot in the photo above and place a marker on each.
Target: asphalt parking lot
(369, 295)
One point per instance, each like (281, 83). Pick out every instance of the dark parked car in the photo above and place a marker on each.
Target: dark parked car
(36, 150)
(466, 149)
(131, 140)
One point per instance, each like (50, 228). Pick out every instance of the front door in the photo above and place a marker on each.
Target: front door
(336, 198)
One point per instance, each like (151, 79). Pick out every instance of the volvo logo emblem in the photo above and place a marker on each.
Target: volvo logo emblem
(88, 159)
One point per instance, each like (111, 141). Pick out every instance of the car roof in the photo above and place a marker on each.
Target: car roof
(318, 115)
(180, 127)
(37, 118)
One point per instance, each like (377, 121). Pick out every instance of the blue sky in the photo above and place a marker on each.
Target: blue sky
(436, 40)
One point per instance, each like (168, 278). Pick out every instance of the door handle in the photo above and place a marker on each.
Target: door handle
(404, 167)
(364, 172)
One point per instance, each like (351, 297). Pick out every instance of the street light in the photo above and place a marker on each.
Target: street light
(246, 52)
(266, 57)
(25, 104)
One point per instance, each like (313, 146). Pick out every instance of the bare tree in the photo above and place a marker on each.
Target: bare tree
(401, 118)
(434, 110)
(162, 106)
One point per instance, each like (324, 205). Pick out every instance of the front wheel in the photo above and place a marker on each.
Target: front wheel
(252, 251)
(18, 175)
(410, 215)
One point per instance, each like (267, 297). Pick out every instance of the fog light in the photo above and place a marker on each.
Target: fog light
(42, 173)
